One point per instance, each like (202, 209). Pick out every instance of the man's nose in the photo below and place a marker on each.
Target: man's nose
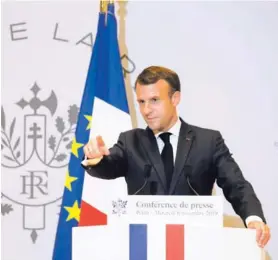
(146, 109)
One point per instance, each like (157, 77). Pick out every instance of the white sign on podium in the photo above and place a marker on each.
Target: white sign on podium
(189, 210)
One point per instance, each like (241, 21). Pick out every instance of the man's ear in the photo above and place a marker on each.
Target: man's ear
(176, 98)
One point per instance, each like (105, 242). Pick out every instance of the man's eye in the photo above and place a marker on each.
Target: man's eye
(154, 100)
(141, 101)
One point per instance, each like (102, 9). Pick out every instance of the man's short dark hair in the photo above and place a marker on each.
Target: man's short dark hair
(153, 74)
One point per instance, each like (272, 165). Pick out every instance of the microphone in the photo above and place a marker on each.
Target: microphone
(147, 174)
(188, 181)
(188, 176)
(153, 188)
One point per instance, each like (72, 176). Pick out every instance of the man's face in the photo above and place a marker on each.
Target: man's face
(157, 106)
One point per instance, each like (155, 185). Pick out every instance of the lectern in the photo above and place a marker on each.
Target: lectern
(164, 228)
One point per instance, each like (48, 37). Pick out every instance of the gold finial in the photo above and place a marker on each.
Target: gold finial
(104, 4)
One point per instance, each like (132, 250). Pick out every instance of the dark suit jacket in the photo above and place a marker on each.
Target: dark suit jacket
(202, 157)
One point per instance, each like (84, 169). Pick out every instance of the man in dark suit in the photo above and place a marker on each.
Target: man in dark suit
(171, 157)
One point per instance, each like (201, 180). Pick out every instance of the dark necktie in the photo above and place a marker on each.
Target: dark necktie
(167, 157)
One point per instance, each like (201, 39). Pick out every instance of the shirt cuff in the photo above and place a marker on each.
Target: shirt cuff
(84, 161)
(252, 218)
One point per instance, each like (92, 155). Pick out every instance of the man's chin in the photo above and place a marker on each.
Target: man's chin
(153, 127)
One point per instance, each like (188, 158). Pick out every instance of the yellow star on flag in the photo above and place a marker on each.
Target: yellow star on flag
(74, 212)
(69, 180)
(75, 146)
(89, 118)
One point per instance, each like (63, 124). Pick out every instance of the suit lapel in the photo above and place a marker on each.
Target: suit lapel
(186, 138)
(150, 146)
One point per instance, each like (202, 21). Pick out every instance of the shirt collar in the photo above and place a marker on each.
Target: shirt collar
(174, 130)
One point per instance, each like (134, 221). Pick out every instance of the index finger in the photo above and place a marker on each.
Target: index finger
(100, 141)
(101, 146)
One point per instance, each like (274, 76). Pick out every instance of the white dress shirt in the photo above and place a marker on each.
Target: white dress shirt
(174, 138)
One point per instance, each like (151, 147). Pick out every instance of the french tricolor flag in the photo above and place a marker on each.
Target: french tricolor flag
(110, 117)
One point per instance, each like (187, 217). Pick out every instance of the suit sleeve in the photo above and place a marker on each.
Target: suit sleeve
(237, 190)
(112, 166)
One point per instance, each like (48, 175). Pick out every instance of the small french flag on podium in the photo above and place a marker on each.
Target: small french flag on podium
(141, 239)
